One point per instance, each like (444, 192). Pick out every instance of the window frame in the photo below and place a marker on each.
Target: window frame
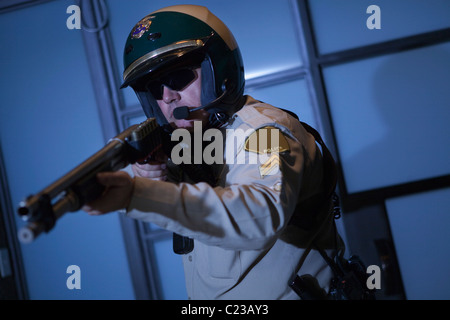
(316, 64)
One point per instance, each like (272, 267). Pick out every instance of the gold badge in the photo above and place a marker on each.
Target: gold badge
(141, 27)
(267, 140)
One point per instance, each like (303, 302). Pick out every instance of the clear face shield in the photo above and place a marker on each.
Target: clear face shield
(149, 89)
(150, 107)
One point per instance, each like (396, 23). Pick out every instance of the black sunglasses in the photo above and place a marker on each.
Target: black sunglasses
(175, 80)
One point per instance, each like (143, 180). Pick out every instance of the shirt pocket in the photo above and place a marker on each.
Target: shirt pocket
(224, 264)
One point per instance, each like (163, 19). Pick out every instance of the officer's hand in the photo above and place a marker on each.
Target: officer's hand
(117, 195)
(155, 170)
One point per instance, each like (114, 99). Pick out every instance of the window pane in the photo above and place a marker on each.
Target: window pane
(390, 116)
(293, 96)
(264, 31)
(419, 225)
(341, 24)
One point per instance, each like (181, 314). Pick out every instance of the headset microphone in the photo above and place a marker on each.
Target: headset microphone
(181, 113)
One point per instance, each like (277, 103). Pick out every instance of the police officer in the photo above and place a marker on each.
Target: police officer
(234, 218)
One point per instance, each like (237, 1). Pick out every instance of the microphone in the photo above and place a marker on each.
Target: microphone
(183, 112)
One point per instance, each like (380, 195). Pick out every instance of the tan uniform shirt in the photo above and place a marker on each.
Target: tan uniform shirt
(243, 248)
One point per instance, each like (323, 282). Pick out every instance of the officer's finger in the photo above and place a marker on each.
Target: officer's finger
(151, 166)
(156, 173)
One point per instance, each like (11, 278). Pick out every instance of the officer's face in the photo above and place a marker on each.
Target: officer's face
(189, 96)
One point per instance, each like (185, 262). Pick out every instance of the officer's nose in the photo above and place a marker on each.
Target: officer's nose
(169, 95)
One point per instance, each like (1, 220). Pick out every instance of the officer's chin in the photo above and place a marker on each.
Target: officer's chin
(190, 123)
(184, 124)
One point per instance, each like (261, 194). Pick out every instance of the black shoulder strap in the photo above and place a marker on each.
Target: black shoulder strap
(306, 220)
(330, 171)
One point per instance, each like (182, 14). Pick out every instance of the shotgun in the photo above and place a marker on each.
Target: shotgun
(138, 143)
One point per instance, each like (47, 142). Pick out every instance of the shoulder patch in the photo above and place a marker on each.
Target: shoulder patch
(267, 140)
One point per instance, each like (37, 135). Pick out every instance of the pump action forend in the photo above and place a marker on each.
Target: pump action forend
(79, 186)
